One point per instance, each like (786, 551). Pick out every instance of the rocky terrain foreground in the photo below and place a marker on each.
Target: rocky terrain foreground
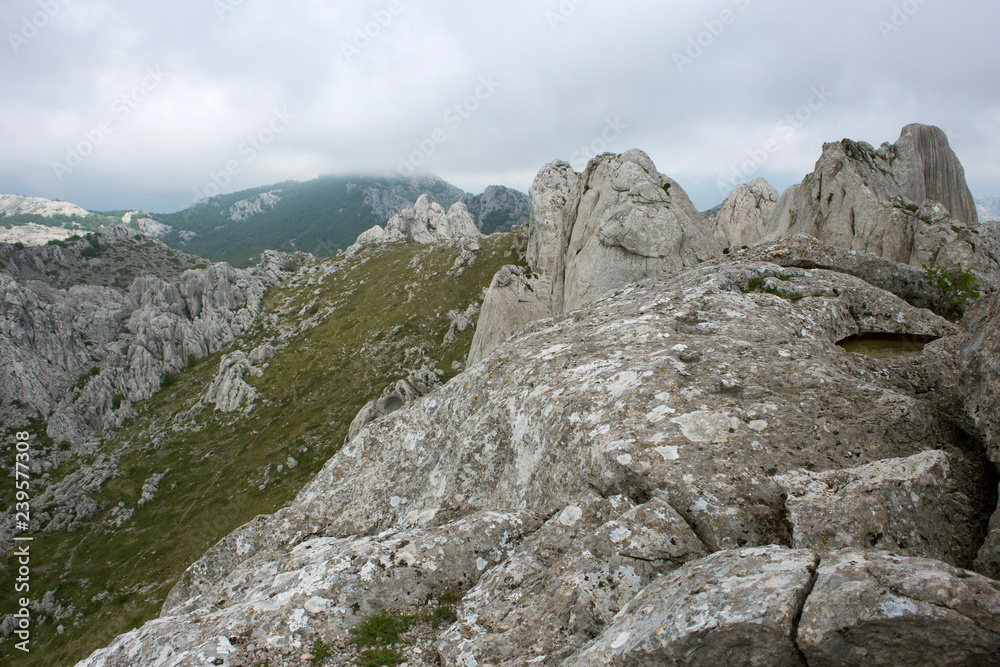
(659, 454)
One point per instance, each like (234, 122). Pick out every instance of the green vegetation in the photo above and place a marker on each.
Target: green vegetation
(957, 288)
(380, 313)
(380, 657)
(753, 285)
(381, 628)
(319, 651)
(320, 216)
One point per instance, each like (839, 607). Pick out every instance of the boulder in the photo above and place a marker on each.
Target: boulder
(732, 608)
(874, 608)
(228, 391)
(744, 218)
(911, 506)
(394, 397)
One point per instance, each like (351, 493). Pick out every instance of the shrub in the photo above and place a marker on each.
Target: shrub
(956, 286)
(379, 657)
(380, 628)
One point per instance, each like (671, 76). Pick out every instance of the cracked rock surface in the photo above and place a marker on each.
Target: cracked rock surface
(597, 466)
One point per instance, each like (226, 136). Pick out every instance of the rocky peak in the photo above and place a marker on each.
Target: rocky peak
(424, 222)
(499, 209)
(591, 233)
(925, 167)
(744, 217)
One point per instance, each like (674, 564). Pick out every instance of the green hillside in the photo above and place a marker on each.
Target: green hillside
(320, 216)
(363, 322)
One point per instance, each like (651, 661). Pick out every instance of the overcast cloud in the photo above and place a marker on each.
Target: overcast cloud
(116, 104)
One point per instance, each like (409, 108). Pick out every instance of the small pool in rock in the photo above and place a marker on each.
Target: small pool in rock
(883, 346)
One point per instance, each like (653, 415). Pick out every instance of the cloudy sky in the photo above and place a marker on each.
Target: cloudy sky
(122, 104)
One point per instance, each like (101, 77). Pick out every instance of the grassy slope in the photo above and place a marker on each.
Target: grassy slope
(368, 320)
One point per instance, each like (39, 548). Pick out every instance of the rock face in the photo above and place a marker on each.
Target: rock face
(907, 202)
(618, 222)
(499, 209)
(745, 216)
(606, 488)
(871, 608)
(424, 222)
(394, 397)
(905, 506)
(81, 356)
(980, 379)
(20, 205)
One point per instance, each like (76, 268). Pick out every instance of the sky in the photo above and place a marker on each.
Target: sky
(115, 104)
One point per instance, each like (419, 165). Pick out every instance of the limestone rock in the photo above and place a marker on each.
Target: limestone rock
(228, 391)
(745, 214)
(599, 400)
(512, 301)
(806, 252)
(926, 168)
(873, 608)
(424, 222)
(322, 586)
(394, 397)
(589, 234)
(907, 202)
(911, 506)
(731, 608)
(980, 379)
(566, 581)
(595, 455)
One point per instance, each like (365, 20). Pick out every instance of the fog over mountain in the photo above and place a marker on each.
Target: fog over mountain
(121, 105)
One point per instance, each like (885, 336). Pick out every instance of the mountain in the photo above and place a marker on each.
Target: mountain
(678, 462)
(988, 208)
(320, 216)
(558, 444)
(128, 362)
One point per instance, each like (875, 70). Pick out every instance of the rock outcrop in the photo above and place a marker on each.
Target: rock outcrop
(499, 209)
(980, 389)
(618, 222)
(745, 216)
(607, 488)
(394, 397)
(907, 202)
(424, 222)
(82, 356)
